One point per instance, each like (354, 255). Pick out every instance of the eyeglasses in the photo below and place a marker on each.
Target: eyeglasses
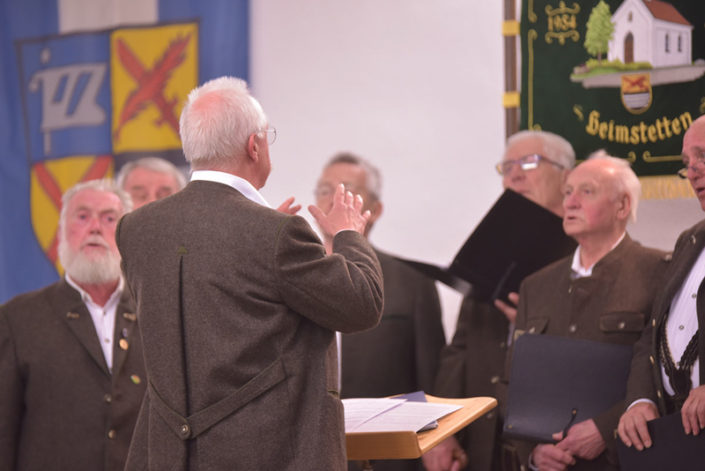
(696, 163)
(527, 162)
(326, 190)
(271, 134)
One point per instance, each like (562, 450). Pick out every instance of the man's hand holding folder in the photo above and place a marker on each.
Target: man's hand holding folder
(632, 425)
(582, 440)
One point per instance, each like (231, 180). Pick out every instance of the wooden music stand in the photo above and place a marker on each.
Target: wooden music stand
(365, 446)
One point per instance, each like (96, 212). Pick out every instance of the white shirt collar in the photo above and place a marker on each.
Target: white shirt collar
(87, 297)
(577, 268)
(233, 181)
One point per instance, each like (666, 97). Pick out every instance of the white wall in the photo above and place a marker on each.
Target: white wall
(414, 86)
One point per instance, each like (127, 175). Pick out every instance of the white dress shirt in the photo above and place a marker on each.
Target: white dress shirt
(577, 269)
(240, 184)
(103, 317)
(682, 321)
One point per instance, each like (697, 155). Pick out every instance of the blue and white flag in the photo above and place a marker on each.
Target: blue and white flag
(85, 87)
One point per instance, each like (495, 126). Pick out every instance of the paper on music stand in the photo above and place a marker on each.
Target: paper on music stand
(404, 416)
(359, 411)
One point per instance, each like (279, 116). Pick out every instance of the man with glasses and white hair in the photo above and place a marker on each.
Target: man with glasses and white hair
(668, 366)
(535, 164)
(603, 292)
(238, 304)
(70, 354)
(149, 179)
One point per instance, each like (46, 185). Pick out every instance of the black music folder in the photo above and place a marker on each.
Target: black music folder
(514, 239)
(556, 382)
(671, 448)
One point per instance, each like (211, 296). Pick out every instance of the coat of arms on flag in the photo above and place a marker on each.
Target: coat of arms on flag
(91, 98)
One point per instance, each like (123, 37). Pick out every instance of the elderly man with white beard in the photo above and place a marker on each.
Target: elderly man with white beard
(71, 366)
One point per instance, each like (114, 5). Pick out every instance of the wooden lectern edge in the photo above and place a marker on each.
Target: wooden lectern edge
(410, 445)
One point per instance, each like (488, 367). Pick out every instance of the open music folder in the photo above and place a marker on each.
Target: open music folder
(514, 239)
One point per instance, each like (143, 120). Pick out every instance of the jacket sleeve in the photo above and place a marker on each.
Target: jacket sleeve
(11, 406)
(342, 291)
(640, 383)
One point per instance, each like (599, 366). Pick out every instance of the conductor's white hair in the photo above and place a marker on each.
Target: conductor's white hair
(217, 120)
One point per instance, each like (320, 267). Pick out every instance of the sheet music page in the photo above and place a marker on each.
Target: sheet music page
(359, 411)
(405, 416)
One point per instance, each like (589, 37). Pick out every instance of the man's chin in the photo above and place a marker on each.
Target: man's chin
(93, 252)
(701, 198)
(96, 270)
(571, 228)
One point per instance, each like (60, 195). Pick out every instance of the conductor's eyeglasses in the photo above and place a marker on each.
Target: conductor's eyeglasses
(271, 133)
(527, 162)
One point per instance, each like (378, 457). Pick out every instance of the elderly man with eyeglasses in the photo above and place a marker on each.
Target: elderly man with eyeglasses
(668, 366)
(535, 164)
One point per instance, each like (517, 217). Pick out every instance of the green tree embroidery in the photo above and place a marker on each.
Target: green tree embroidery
(599, 30)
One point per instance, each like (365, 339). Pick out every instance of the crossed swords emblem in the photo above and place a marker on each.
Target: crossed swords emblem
(151, 83)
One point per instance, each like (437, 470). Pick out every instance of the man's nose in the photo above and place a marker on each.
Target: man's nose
(571, 201)
(94, 225)
(514, 174)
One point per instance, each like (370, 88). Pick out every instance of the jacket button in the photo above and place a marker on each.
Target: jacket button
(651, 359)
(532, 330)
(573, 328)
(494, 380)
(621, 325)
(108, 398)
(658, 393)
(111, 434)
(185, 430)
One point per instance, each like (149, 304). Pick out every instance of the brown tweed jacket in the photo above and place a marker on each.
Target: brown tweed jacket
(60, 407)
(238, 305)
(613, 305)
(471, 365)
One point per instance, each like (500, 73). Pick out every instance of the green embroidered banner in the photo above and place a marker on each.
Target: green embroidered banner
(627, 76)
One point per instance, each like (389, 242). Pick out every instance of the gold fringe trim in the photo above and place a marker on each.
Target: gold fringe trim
(665, 188)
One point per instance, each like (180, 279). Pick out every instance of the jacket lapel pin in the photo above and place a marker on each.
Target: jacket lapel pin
(72, 315)
(129, 316)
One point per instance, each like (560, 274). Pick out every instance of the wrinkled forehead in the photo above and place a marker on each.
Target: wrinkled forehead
(694, 138)
(593, 173)
(343, 172)
(146, 177)
(95, 200)
(526, 146)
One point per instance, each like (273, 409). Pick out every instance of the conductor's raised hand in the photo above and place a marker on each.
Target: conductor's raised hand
(345, 214)
(288, 206)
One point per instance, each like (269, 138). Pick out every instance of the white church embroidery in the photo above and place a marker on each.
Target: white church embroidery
(650, 31)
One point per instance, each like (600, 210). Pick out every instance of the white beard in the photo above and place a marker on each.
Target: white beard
(95, 270)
